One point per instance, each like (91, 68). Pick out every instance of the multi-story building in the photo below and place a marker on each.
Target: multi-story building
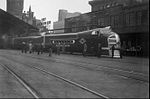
(129, 18)
(58, 26)
(102, 4)
(15, 7)
(29, 17)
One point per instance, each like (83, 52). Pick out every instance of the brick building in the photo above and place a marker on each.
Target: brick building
(129, 18)
(15, 7)
(29, 18)
(60, 24)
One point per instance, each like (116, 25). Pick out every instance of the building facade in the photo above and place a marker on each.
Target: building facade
(129, 19)
(29, 18)
(15, 7)
(59, 25)
(103, 4)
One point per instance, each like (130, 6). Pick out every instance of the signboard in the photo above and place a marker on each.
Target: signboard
(82, 40)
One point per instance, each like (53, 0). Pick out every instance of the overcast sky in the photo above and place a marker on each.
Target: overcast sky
(50, 8)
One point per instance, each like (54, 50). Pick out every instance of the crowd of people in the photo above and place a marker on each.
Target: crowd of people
(38, 48)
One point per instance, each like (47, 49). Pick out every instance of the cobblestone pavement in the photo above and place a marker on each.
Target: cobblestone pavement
(87, 71)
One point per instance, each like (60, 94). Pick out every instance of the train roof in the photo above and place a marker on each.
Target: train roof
(106, 30)
(28, 37)
(62, 34)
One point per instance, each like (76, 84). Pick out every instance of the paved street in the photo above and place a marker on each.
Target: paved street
(11, 88)
(113, 78)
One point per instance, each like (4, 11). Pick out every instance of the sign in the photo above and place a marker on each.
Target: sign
(82, 40)
(43, 19)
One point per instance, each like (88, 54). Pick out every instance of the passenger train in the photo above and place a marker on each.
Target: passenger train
(86, 41)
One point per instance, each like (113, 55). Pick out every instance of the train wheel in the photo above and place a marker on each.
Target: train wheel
(84, 49)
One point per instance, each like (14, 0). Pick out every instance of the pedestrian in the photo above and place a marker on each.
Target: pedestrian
(23, 47)
(30, 47)
(50, 51)
(41, 48)
(55, 49)
(121, 52)
(99, 50)
(112, 50)
(58, 49)
(37, 48)
(84, 49)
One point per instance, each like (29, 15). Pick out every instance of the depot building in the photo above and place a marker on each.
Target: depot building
(128, 18)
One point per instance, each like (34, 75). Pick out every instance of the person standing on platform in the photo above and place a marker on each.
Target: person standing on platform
(58, 49)
(112, 50)
(120, 49)
(23, 47)
(50, 51)
(38, 48)
(99, 50)
(121, 52)
(84, 49)
(41, 48)
(30, 47)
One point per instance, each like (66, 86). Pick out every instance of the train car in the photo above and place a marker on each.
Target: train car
(87, 41)
(35, 40)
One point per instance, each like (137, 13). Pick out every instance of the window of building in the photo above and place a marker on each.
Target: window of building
(127, 19)
(112, 21)
(101, 22)
(115, 3)
(116, 21)
(139, 18)
(101, 8)
(132, 19)
(107, 5)
(112, 4)
(144, 17)
(74, 28)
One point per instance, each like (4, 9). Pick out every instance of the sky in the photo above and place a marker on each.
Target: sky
(49, 8)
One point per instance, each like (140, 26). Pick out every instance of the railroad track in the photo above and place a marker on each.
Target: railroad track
(27, 86)
(125, 73)
(34, 93)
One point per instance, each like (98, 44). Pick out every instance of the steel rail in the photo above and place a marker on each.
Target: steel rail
(29, 89)
(69, 81)
(100, 67)
(108, 67)
(64, 79)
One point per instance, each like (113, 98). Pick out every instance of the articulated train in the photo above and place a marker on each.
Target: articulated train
(86, 41)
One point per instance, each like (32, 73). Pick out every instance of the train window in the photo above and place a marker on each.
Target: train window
(97, 32)
(112, 40)
(93, 33)
(113, 36)
(73, 41)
